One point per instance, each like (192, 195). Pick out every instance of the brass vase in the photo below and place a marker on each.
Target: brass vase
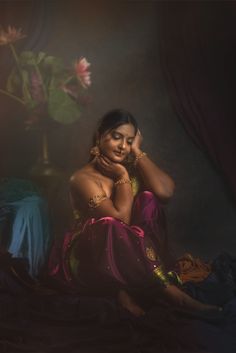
(43, 172)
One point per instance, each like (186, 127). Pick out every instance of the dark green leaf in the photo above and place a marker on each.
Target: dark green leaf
(53, 64)
(31, 104)
(27, 58)
(13, 82)
(40, 57)
(62, 108)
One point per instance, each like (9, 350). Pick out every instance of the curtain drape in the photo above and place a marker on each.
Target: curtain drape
(198, 57)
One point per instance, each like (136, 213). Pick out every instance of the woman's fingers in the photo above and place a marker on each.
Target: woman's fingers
(137, 141)
(103, 164)
(104, 161)
(140, 135)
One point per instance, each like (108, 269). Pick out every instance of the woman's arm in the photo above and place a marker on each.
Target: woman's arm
(123, 200)
(93, 198)
(153, 177)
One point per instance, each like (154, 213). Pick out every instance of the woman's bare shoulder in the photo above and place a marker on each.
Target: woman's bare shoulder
(84, 178)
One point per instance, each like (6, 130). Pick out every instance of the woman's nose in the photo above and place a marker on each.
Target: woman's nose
(123, 144)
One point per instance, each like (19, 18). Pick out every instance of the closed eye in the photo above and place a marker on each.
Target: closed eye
(116, 136)
(130, 142)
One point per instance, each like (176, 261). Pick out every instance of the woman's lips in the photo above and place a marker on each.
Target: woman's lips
(119, 154)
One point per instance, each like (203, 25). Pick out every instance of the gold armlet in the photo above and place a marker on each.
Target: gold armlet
(139, 156)
(96, 200)
(122, 181)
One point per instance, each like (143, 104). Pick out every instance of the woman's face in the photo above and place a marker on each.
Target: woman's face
(116, 143)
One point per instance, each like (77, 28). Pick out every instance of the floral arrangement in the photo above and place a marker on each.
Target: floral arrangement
(43, 84)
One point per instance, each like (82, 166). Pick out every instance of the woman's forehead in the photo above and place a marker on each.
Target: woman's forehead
(125, 129)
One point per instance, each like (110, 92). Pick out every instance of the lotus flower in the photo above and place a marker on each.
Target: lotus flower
(82, 73)
(47, 88)
(11, 35)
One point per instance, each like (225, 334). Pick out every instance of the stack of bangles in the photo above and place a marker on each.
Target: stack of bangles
(138, 157)
(122, 181)
(128, 181)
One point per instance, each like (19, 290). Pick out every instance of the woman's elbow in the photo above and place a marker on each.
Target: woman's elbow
(167, 193)
(124, 215)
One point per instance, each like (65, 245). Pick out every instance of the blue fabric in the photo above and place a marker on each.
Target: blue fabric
(21, 202)
(30, 231)
(219, 287)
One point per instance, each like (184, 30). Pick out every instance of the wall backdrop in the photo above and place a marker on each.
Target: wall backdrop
(121, 42)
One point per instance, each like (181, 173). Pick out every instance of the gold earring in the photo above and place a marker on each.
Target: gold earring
(95, 151)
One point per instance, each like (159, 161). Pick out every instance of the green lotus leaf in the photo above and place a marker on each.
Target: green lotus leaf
(62, 108)
(52, 64)
(13, 81)
(31, 104)
(27, 58)
(41, 55)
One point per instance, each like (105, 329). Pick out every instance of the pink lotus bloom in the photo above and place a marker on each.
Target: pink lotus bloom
(82, 73)
(11, 35)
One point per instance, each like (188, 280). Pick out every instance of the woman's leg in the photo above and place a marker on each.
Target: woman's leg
(149, 214)
(180, 299)
(113, 251)
(127, 302)
(111, 255)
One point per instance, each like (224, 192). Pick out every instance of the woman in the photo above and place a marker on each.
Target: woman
(119, 245)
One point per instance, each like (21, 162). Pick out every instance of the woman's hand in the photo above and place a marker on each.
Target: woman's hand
(110, 169)
(136, 144)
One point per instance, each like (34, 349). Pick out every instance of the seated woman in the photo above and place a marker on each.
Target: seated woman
(119, 244)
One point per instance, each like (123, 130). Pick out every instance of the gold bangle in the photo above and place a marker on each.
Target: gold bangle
(139, 156)
(122, 181)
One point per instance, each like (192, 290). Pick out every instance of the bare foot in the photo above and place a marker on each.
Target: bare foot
(127, 302)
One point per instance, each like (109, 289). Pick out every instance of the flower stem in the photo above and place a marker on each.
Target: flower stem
(41, 79)
(16, 59)
(12, 96)
(25, 89)
(68, 79)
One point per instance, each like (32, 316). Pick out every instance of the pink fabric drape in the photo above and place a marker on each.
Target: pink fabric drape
(112, 254)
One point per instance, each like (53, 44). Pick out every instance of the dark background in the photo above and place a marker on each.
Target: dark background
(121, 40)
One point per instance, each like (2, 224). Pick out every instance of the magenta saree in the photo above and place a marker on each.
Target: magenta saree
(105, 254)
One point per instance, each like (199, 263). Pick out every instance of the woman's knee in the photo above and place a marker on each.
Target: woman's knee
(147, 198)
(146, 195)
(146, 206)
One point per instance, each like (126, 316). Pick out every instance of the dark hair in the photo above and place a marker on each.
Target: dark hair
(112, 120)
(115, 118)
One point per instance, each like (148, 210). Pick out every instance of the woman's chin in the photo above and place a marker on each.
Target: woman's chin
(116, 159)
(119, 160)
